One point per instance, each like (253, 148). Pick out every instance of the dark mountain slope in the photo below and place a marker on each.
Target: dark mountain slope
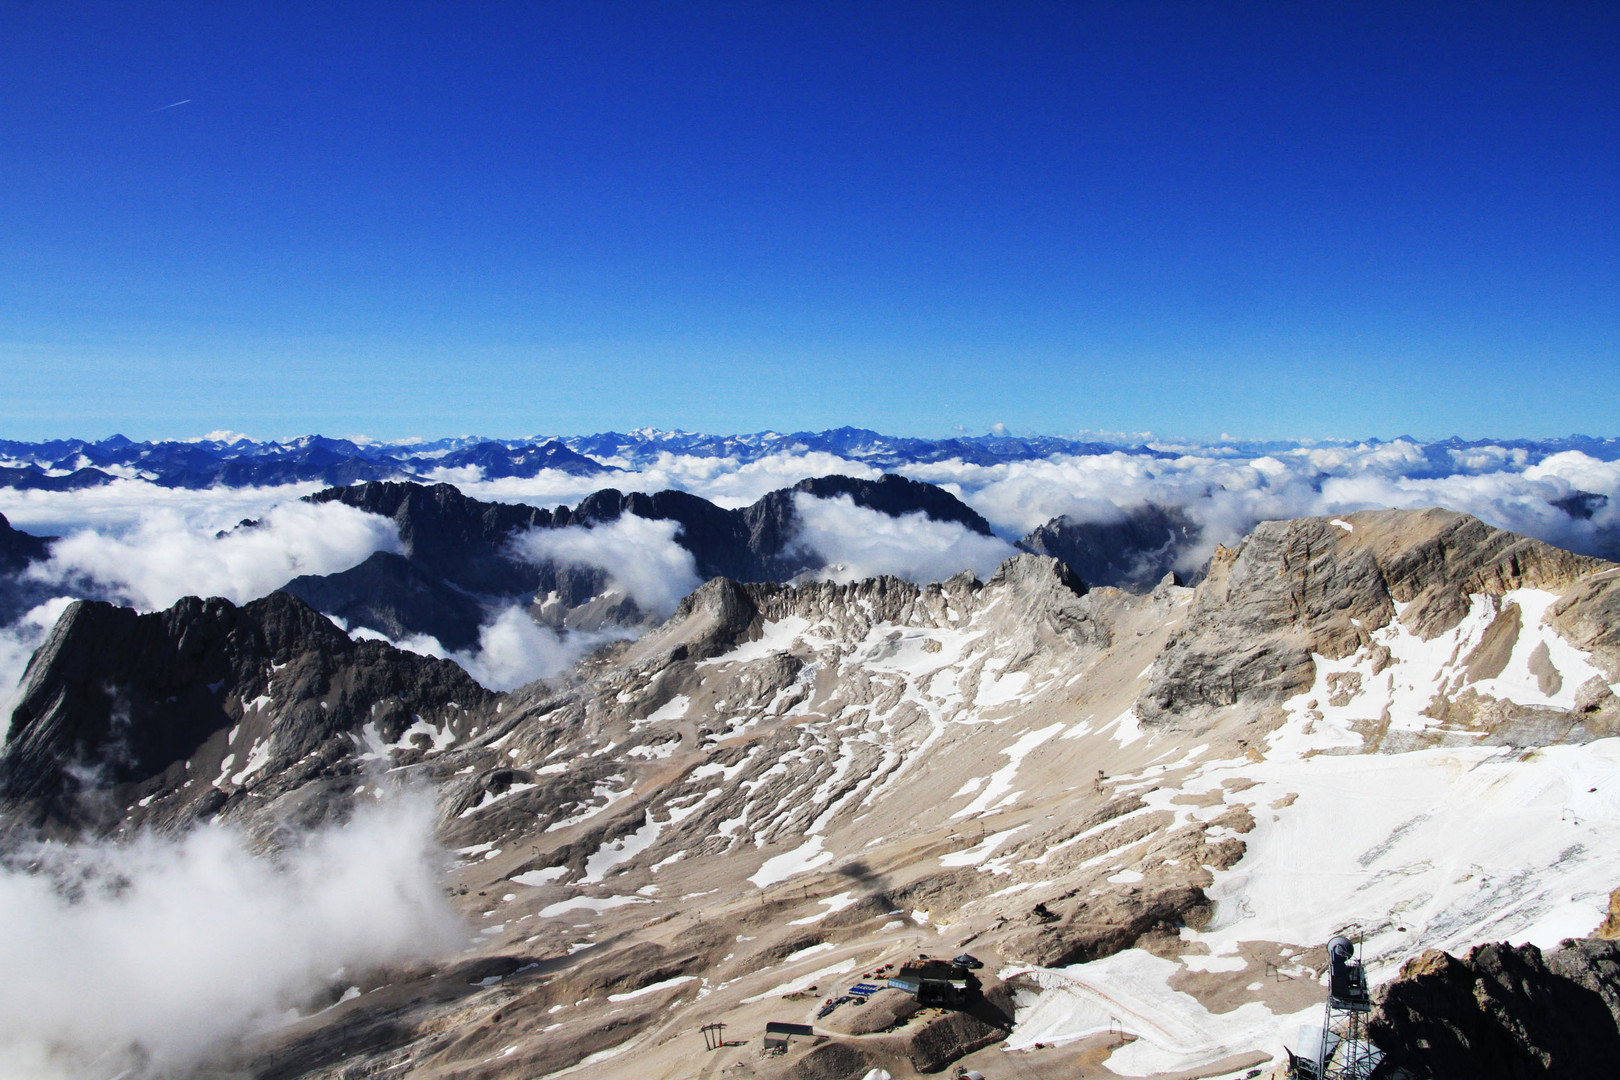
(460, 558)
(18, 549)
(118, 705)
(1503, 1012)
(1133, 553)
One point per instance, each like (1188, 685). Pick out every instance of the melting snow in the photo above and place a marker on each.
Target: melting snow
(833, 903)
(1001, 780)
(975, 855)
(1129, 991)
(793, 986)
(1443, 846)
(652, 988)
(258, 758)
(673, 709)
(589, 903)
(807, 856)
(776, 637)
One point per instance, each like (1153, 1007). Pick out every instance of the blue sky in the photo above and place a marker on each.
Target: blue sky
(1291, 220)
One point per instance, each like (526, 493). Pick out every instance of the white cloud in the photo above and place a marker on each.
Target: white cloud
(165, 555)
(725, 481)
(1229, 495)
(123, 504)
(639, 556)
(171, 947)
(858, 543)
(513, 650)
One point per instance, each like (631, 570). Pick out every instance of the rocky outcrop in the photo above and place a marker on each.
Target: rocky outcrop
(947, 1037)
(1609, 930)
(1320, 585)
(18, 549)
(1589, 615)
(1503, 1012)
(826, 1061)
(457, 561)
(1133, 552)
(1081, 930)
(115, 701)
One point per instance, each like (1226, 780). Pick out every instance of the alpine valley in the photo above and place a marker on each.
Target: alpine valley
(1139, 766)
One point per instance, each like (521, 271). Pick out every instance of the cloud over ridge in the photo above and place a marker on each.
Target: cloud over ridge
(141, 543)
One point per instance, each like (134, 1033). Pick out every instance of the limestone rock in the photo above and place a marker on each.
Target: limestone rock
(1294, 588)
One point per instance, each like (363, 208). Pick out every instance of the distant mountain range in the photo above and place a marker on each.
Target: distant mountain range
(68, 464)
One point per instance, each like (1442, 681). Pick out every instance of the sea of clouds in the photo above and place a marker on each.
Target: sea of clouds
(145, 545)
(152, 954)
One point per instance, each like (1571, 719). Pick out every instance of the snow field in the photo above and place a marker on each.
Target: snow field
(1445, 846)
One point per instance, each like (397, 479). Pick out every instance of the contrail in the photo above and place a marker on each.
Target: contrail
(172, 105)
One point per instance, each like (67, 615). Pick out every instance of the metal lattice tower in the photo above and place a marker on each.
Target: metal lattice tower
(1345, 1052)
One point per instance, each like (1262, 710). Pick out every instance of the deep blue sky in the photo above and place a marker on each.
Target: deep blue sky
(427, 218)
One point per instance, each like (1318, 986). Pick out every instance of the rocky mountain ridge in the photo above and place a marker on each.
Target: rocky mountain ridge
(461, 557)
(155, 721)
(1501, 1011)
(1135, 552)
(1096, 791)
(71, 464)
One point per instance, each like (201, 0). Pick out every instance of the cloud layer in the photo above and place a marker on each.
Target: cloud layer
(513, 650)
(1228, 495)
(148, 545)
(858, 543)
(166, 555)
(640, 557)
(151, 955)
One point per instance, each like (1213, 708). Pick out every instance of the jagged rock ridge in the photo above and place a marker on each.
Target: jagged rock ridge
(461, 560)
(264, 698)
(1503, 1012)
(782, 787)
(1321, 586)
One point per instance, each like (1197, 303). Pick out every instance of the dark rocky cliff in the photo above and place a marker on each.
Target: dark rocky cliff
(1134, 552)
(1503, 1012)
(116, 703)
